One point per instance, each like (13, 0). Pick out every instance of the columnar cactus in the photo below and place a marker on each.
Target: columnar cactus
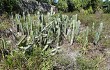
(43, 33)
(98, 33)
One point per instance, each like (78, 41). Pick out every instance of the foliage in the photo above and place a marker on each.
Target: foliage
(9, 5)
(107, 8)
(38, 60)
(90, 5)
(62, 5)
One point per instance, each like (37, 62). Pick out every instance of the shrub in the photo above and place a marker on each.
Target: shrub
(8, 5)
(62, 5)
(38, 60)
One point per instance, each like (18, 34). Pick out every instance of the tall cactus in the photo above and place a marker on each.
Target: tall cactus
(98, 33)
(73, 32)
(86, 37)
(44, 31)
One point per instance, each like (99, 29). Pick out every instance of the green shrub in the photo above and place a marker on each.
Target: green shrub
(8, 5)
(38, 60)
(62, 5)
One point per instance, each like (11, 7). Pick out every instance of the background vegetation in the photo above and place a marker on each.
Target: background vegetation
(63, 5)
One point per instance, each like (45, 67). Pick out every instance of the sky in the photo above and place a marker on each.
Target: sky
(105, 0)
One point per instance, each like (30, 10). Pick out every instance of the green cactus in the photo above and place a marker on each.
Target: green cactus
(77, 27)
(53, 29)
(98, 33)
(85, 44)
(73, 32)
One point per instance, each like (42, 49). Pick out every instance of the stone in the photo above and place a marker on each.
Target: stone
(31, 6)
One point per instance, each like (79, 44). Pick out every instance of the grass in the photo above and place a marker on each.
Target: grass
(85, 63)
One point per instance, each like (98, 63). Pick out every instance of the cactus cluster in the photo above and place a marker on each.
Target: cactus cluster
(47, 30)
(41, 31)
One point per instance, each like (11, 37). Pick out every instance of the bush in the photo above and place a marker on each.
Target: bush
(8, 5)
(62, 5)
(38, 60)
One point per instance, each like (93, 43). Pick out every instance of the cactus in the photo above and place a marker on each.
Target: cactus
(40, 31)
(77, 27)
(58, 36)
(3, 43)
(98, 33)
(93, 26)
(100, 28)
(96, 38)
(86, 37)
(73, 32)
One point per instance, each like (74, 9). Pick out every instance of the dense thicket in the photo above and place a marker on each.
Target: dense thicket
(63, 5)
(9, 5)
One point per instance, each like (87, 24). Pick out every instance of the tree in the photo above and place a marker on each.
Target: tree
(106, 6)
(86, 4)
(71, 6)
(96, 5)
(62, 5)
